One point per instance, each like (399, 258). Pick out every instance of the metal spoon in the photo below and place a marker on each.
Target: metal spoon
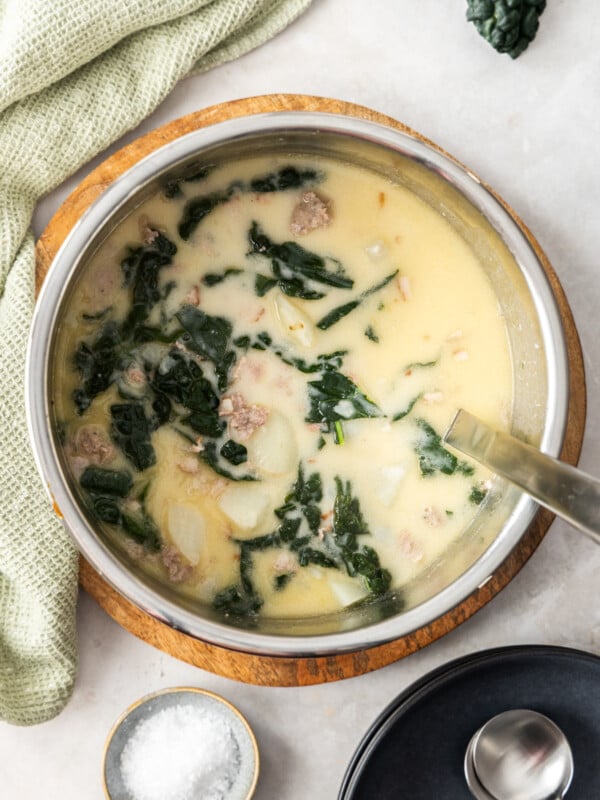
(568, 492)
(519, 755)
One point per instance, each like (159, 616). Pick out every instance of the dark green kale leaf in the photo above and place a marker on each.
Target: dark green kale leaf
(348, 520)
(300, 504)
(260, 542)
(242, 342)
(200, 173)
(293, 266)
(173, 187)
(300, 532)
(96, 363)
(303, 491)
(162, 408)
(235, 602)
(336, 314)
(222, 369)
(348, 525)
(339, 550)
(141, 527)
(285, 178)
(419, 365)
(281, 581)
(210, 337)
(365, 562)
(136, 523)
(98, 316)
(172, 190)
(141, 273)
(288, 530)
(281, 180)
(113, 482)
(285, 508)
(433, 456)
(246, 570)
(370, 334)
(152, 333)
(477, 495)
(335, 398)
(198, 209)
(207, 335)
(508, 25)
(106, 509)
(153, 251)
(406, 411)
(243, 599)
(185, 383)
(264, 284)
(214, 278)
(323, 362)
(234, 452)
(299, 543)
(210, 457)
(131, 432)
(312, 515)
(308, 555)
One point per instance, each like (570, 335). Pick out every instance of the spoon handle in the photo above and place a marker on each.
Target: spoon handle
(568, 492)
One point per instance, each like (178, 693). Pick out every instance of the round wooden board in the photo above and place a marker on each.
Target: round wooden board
(298, 671)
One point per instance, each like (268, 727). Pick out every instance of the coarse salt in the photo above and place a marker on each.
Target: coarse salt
(181, 753)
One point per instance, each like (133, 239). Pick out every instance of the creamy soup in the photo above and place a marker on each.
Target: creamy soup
(255, 372)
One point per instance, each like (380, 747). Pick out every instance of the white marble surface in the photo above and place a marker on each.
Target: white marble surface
(531, 128)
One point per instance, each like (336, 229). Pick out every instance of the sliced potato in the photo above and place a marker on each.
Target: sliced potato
(187, 528)
(273, 447)
(296, 324)
(347, 590)
(244, 505)
(388, 483)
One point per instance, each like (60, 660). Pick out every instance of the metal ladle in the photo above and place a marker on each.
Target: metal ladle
(519, 755)
(568, 492)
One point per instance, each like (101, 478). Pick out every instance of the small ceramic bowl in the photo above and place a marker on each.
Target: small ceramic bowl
(157, 749)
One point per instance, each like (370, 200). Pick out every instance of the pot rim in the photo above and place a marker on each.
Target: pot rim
(65, 264)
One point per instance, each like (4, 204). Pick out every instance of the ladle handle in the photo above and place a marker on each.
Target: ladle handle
(568, 492)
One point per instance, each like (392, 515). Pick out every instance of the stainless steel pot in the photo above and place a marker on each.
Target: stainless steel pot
(536, 338)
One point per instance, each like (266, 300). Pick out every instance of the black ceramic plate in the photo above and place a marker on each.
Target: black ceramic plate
(415, 749)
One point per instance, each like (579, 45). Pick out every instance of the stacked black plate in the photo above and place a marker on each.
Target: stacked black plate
(415, 749)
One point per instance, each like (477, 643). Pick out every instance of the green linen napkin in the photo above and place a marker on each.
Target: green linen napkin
(74, 76)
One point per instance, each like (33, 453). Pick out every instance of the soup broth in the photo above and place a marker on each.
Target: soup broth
(254, 373)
